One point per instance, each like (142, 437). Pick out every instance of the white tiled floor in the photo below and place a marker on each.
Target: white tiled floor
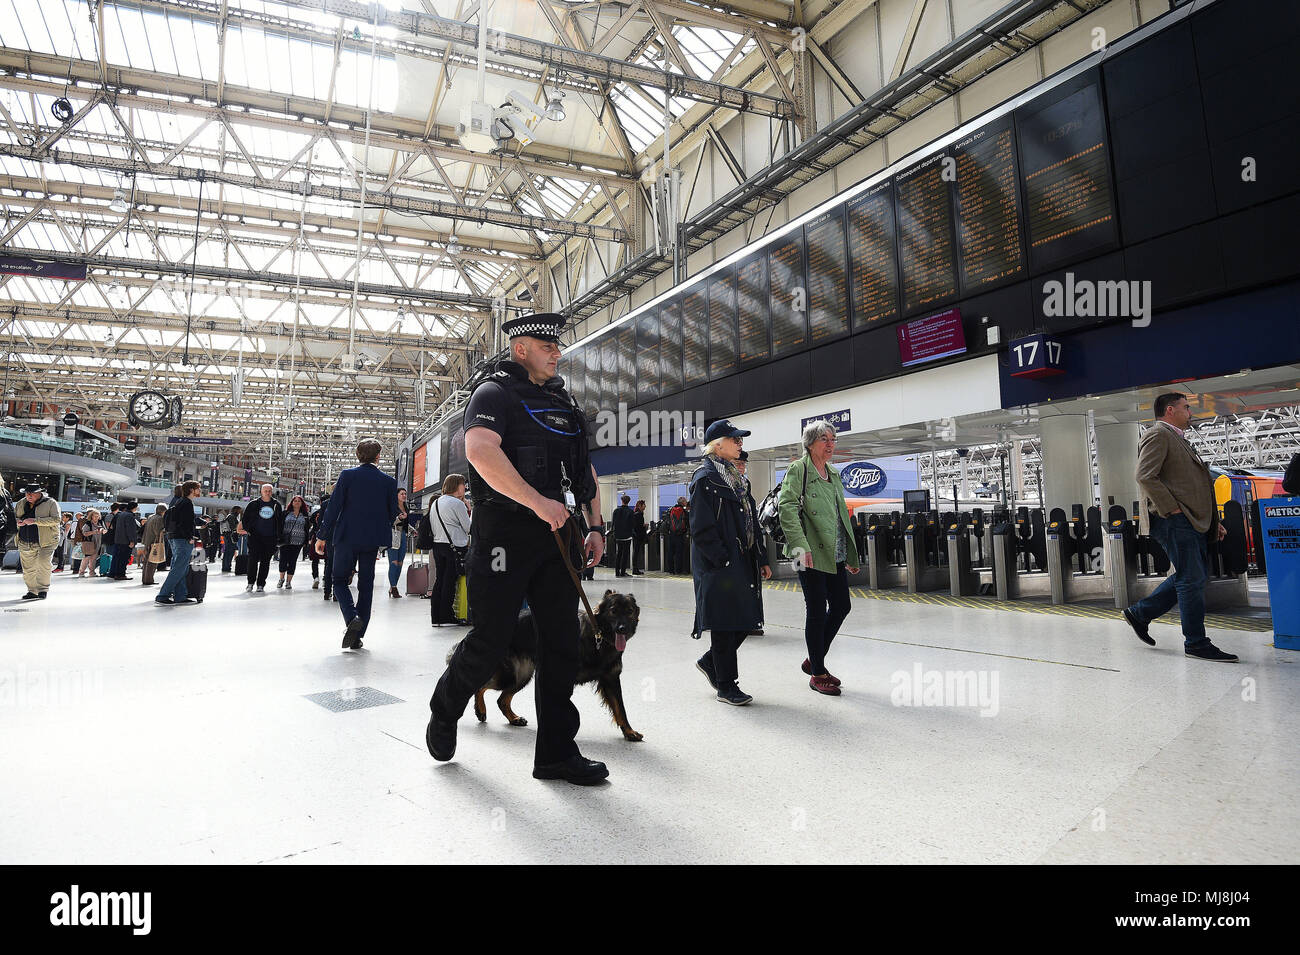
(136, 733)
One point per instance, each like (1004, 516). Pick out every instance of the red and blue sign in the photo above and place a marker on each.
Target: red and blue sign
(1035, 357)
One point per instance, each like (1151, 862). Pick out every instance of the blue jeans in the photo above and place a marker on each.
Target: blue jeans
(174, 585)
(1188, 551)
(395, 558)
(345, 559)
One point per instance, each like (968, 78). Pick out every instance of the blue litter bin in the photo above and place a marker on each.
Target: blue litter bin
(1279, 519)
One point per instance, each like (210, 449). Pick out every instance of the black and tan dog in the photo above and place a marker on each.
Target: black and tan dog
(600, 663)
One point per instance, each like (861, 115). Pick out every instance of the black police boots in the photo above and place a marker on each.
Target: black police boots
(576, 769)
(440, 738)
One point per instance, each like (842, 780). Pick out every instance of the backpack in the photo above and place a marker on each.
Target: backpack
(769, 516)
(677, 520)
(424, 534)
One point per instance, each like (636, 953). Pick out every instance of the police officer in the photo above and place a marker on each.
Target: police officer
(529, 471)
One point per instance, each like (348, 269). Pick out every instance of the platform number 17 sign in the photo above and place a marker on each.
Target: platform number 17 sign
(1035, 357)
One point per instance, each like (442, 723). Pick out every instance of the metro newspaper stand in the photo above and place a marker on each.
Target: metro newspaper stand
(1280, 523)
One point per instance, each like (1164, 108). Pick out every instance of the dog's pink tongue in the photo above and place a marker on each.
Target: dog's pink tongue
(620, 642)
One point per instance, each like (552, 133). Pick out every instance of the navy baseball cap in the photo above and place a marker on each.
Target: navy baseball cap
(722, 428)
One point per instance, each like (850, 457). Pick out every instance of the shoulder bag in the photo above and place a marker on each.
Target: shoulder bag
(458, 552)
(769, 516)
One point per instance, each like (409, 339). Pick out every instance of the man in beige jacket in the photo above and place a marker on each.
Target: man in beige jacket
(1178, 513)
(38, 534)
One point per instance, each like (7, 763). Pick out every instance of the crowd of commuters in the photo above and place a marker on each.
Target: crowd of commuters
(366, 518)
(172, 537)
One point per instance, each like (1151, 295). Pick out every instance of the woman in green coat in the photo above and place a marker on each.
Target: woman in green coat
(819, 536)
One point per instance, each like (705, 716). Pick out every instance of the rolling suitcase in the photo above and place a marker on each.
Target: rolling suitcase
(417, 578)
(241, 559)
(12, 559)
(105, 562)
(196, 578)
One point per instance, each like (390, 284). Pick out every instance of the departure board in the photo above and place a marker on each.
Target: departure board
(723, 353)
(828, 283)
(873, 265)
(751, 302)
(789, 294)
(626, 338)
(695, 335)
(670, 347)
(608, 372)
(1063, 159)
(926, 253)
(989, 250)
(647, 356)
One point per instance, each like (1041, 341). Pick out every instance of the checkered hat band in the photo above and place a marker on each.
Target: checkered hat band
(540, 328)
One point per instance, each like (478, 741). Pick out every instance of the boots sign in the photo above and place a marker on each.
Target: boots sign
(862, 479)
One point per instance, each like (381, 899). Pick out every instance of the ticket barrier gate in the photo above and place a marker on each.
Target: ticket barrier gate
(921, 546)
(1059, 572)
(1006, 573)
(982, 556)
(963, 579)
(882, 544)
(1017, 549)
(1074, 579)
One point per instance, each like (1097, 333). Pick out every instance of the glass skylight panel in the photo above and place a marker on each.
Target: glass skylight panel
(236, 57)
(205, 42)
(159, 36)
(258, 64)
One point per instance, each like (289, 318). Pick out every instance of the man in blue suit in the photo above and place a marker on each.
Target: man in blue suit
(358, 522)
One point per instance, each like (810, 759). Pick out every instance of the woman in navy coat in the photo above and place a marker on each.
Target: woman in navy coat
(728, 559)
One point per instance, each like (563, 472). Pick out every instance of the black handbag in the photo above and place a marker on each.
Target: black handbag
(458, 553)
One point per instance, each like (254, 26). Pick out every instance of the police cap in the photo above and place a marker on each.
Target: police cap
(542, 325)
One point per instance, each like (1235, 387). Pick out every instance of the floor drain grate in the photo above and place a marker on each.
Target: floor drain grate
(15, 610)
(352, 698)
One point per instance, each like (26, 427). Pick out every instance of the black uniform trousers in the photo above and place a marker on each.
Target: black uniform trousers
(512, 555)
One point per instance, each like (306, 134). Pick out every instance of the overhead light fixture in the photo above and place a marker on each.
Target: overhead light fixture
(453, 246)
(119, 203)
(555, 107)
